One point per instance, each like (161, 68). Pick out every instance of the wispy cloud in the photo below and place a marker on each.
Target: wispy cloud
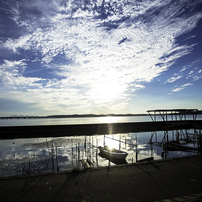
(108, 49)
(11, 76)
(173, 79)
(191, 73)
(198, 75)
(181, 87)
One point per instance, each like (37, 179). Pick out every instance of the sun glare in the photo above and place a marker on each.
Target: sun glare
(108, 119)
(111, 143)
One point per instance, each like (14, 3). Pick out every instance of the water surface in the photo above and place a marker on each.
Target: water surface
(83, 120)
(42, 155)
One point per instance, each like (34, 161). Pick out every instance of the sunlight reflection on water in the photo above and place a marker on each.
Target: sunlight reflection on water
(83, 120)
(41, 155)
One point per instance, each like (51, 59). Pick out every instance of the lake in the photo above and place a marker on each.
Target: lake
(42, 155)
(83, 120)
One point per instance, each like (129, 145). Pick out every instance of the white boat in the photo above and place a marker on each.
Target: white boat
(114, 153)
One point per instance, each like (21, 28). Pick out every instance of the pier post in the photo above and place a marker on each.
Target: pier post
(82, 153)
(119, 142)
(97, 156)
(29, 167)
(156, 135)
(152, 151)
(52, 154)
(78, 151)
(76, 156)
(85, 143)
(136, 150)
(57, 158)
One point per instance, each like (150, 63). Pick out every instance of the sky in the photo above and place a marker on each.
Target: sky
(99, 56)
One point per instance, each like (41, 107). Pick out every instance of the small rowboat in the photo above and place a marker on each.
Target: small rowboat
(114, 153)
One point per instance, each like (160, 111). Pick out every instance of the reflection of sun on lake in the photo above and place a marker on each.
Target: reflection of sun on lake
(111, 143)
(108, 119)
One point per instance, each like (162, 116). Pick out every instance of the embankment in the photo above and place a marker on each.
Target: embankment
(92, 129)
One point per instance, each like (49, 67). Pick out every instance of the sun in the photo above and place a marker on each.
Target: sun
(108, 91)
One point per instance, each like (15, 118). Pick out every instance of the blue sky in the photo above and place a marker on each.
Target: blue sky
(99, 56)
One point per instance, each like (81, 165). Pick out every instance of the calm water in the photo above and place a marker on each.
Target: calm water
(69, 121)
(85, 120)
(41, 155)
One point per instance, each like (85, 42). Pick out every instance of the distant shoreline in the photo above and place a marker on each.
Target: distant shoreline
(82, 116)
(70, 116)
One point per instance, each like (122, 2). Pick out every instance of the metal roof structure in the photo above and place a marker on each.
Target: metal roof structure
(172, 114)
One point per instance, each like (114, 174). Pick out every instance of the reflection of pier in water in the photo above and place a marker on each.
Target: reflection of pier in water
(61, 154)
(87, 154)
(178, 140)
(180, 137)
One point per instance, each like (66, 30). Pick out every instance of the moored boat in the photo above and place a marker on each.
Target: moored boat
(114, 153)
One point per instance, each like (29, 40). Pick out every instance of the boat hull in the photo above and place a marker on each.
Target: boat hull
(117, 154)
(113, 160)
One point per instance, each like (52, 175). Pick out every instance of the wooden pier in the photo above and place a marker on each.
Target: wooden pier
(175, 114)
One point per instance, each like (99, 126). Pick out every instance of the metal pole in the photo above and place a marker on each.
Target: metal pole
(119, 142)
(76, 155)
(52, 157)
(56, 157)
(156, 135)
(97, 156)
(85, 143)
(82, 154)
(72, 156)
(136, 149)
(78, 151)
(29, 166)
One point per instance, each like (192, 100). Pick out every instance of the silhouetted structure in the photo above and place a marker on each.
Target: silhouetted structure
(175, 114)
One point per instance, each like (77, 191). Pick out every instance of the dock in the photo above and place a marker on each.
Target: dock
(10, 132)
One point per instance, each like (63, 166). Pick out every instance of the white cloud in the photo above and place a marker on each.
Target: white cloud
(105, 64)
(181, 87)
(173, 79)
(198, 75)
(11, 76)
(22, 42)
(136, 87)
(183, 69)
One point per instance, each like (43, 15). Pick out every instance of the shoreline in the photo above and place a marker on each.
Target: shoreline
(71, 116)
(12, 132)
